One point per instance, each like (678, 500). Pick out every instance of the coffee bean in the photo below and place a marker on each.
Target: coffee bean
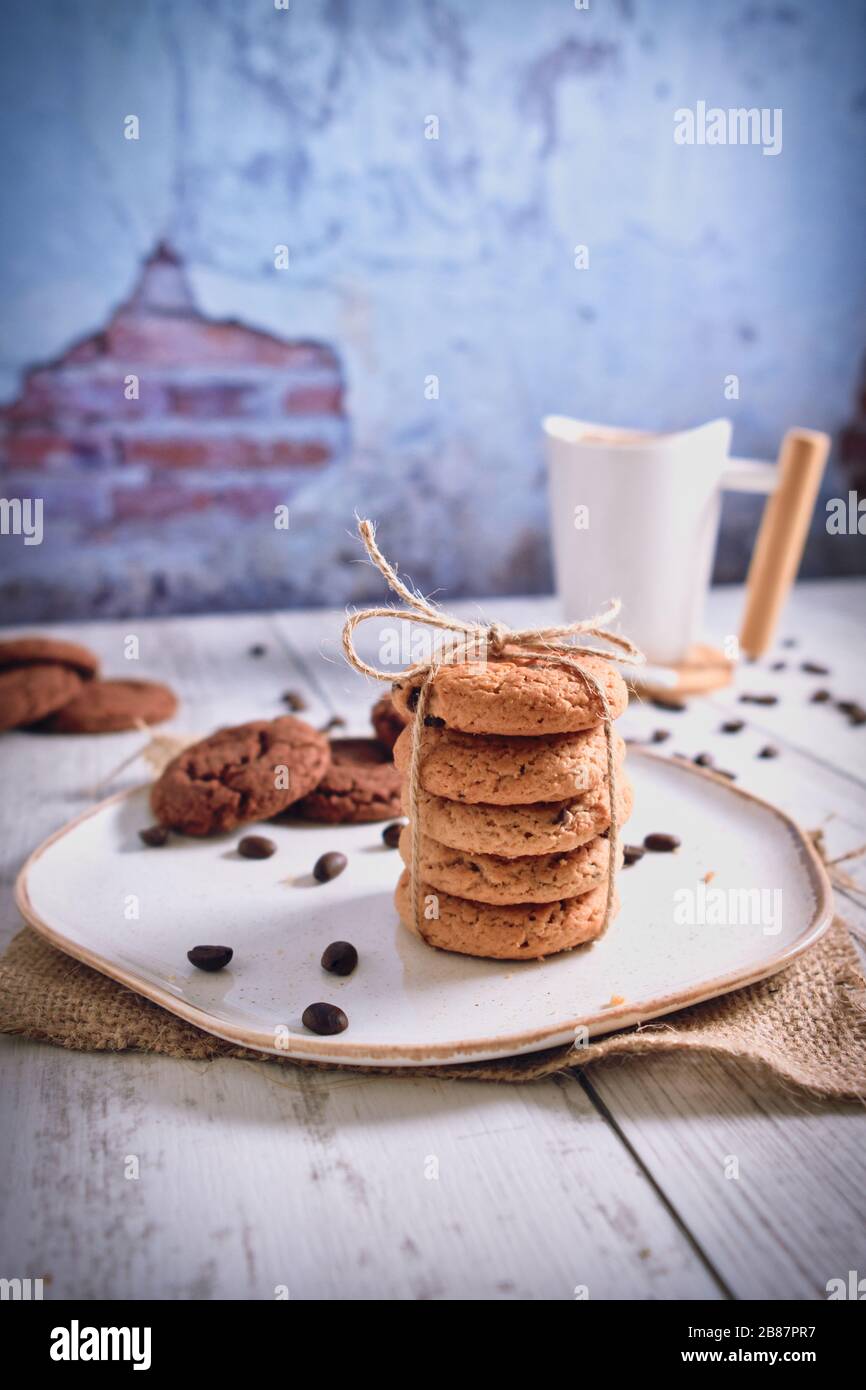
(660, 735)
(674, 706)
(432, 721)
(391, 834)
(856, 713)
(759, 699)
(813, 669)
(324, 1019)
(209, 957)
(769, 752)
(154, 835)
(733, 726)
(660, 843)
(340, 958)
(329, 865)
(779, 666)
(632, 853)
(703, 759)
(258, 650)
(294, 699)
(820, 697)
(256, 847)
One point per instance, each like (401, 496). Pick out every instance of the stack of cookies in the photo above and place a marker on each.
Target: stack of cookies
(514, 806)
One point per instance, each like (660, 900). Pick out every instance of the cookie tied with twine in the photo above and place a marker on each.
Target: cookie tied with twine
(479, 642)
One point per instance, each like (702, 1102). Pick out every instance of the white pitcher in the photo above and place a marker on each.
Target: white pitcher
(635, 515)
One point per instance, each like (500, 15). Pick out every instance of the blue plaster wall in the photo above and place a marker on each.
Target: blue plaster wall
(455, 257)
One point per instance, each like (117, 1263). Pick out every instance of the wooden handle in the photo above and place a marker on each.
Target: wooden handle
(782, 537)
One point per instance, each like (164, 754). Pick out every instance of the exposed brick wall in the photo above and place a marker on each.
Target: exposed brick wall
(227, 423)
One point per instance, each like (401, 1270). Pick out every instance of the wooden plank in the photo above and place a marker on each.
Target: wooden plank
(253, 1176)
(534, 1174)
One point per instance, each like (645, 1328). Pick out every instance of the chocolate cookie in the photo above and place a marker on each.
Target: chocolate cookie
(525, 932)
(48, 651)
(508, 771)
(546, 827)
(516, 696)
(490, 878)
(30, 693)
(385, 719)
(362, 784)
(102, 707)
(246, 773)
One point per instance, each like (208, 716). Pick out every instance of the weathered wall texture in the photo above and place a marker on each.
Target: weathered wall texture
(410, 258)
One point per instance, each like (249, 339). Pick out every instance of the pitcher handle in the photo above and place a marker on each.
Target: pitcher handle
(794, 483)
(749, 475)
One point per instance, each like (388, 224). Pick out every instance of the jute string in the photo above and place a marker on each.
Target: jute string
(479, 642)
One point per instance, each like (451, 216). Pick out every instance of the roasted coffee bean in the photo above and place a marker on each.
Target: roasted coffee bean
(779, 666)
(391, 834)
(660, 735)
(329, 865)
(820, 697)
(209, 957)
(759, 699)
(632, 853)
(340, 958)
(154, 835)
(672, 705)
(769, 752)
(856, 713)
(258, 649)
(703, 759)
(812, 668)
(660, 843)
(336, 721)
(733, 726)
(294, 699)
(324, 1019)
(432, 721)
(256, 847)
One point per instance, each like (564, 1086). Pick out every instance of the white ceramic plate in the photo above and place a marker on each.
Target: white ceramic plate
(408, 1004)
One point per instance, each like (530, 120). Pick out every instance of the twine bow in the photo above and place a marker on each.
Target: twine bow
(476, 641)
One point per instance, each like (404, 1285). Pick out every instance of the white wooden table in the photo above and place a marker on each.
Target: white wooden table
(254, 1176)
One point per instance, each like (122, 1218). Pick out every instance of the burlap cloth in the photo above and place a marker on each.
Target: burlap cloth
(805, 1027)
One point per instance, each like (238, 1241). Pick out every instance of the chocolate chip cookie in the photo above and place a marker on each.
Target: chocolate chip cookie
(361, 784)
(519, 696)
(30, 693)
(109, 706)
(510, 831)
(387, 722)
(490, 878)
(48, 651)
(508, 771)
(523, 932)
(246, 773)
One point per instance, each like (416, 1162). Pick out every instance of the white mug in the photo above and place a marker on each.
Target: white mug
(635, 516)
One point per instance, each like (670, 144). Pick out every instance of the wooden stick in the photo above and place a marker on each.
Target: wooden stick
(782, 537)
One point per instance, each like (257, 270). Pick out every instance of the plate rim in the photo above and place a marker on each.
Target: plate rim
(315, 1048)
